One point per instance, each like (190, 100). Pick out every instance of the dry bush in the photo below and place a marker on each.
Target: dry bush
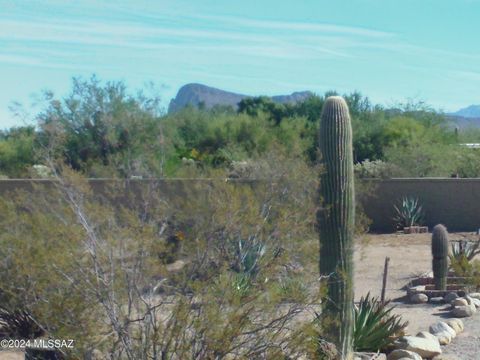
(90, 265)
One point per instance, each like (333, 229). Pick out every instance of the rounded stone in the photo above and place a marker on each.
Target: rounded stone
(419, 298)
(455, 324)
(403, 354)
(441, 327)
(475, 295)
(424, 347)
(459, 302)
(450, 297)
(462, 311)
(429, 336)
(476, 302)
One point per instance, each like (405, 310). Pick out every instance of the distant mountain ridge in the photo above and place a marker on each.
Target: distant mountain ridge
(468, 117)
(196, 94)
(472, 111)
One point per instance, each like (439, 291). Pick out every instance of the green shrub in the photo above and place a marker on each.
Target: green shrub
(376, 169)
(86, 266)
(291, 288)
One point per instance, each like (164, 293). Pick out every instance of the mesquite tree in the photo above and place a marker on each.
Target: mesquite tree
(336, 220)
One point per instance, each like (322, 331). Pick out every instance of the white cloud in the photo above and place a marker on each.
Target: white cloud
(298, 26)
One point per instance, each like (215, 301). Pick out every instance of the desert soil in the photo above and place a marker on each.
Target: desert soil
(410, 256)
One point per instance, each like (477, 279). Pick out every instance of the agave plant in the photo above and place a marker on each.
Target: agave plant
(408, 213)
(18, 324)
(375, 326)
(249, 254)
(461, 257)
(465, 248)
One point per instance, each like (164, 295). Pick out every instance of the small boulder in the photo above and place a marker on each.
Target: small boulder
(417, 288)
(476, 302)
(460, 302)
(369, 356)
(455, 324)
(442, 340)
(462, 311)
(403, 354)
(450, 297)
(469, 299)
(419, 298)
(441, 327)
(443, 335)
(436, 300)
(426, 348)
(474, 295)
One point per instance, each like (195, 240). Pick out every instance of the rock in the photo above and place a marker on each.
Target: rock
(476, 302)
(369, 356)
(469, 299)
(473, 307)
(426, 348)
(460, 302)
(403, 354)
(474, 295)
(450, 297)
(455, 324)
(427, 335)
(436, 300)
(418, 288)
(442, 339)
(462, 311)
(440, 327)
(443, 333)
(418, 298)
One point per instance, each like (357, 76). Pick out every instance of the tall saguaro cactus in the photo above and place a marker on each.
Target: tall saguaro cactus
(336, 221)
(440, 256)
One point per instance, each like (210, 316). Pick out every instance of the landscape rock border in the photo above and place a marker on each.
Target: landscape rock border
(426, 344)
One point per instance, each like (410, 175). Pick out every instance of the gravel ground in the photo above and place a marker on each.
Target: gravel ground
(466, 346)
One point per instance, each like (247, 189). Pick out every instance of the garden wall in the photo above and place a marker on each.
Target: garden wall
(453, 202)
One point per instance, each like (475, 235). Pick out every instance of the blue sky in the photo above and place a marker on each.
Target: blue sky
(390, 50)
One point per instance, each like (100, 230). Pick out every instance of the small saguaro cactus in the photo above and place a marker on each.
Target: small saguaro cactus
(440, 256)
(336, 222)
